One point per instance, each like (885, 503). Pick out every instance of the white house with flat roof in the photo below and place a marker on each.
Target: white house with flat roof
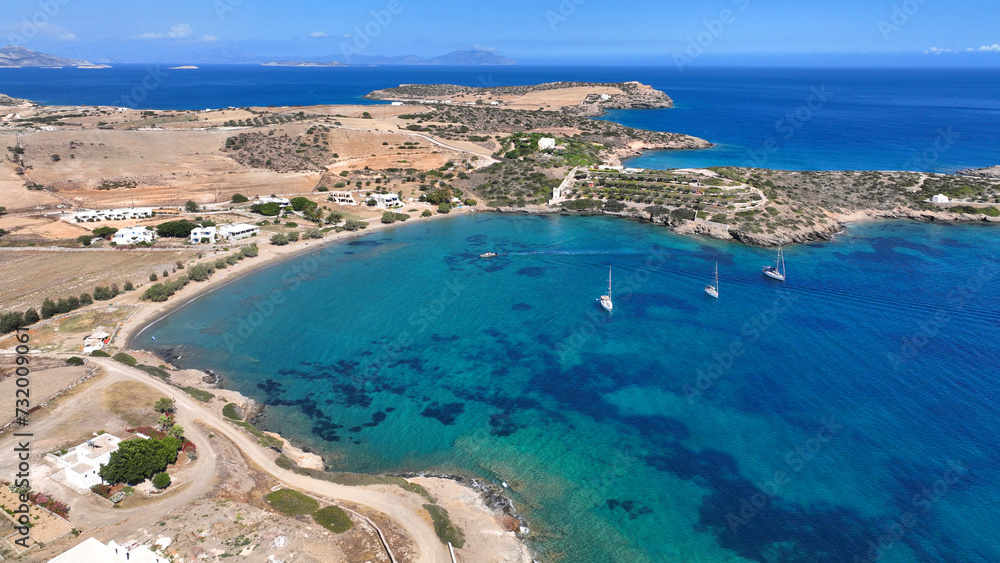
(343, 198)
(939, 198)
(203, 234)
(91, 215)
(282, 201)
(546, 143)
(81, 464)
(238, 231)
(92, 550)
(134, 235)
(387, 201)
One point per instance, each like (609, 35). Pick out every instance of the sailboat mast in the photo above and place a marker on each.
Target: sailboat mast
(609, 281)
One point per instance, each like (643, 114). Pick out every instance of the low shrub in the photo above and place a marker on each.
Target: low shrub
(292, 503)
(333, 518)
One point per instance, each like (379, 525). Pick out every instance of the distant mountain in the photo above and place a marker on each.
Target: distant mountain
(469, 57)
(301, 63)
(14, 55)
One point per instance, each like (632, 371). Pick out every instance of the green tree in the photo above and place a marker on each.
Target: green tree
(250, 250)
(48, 309)
(177, 431)
(31, 317)
(165, 405)
(444, 208)
(9, 322)
(161, 480)
(86, 299)
(279, 239)
(269, 209)
(153, 277)
(175, 229)
(103, 293)
(74, 361)
(84, 239)
(302, 203)
(200, 272)
(128, 286)
(191, 206)
(164, 422)
(105, 232)
(354, 225)
(238, 198)
(137, 459)
(426, 213)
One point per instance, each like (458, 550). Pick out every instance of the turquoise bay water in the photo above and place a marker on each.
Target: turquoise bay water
(848, 414)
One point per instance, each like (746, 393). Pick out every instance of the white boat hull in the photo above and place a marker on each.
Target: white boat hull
(771, 273)
(712, 291)
(606, 303)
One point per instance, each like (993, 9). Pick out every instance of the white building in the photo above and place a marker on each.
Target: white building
(387, 201)
(91, 215)
(81, 464)
(238, 231)
(940, 198)
(95, 341)
(133, 235)
(343, 198)
(200, 234)
(92, 550)
(396, 103)
(283, 202)
(546, 143)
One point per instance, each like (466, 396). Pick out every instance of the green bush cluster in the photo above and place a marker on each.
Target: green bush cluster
(122, 357)
(333, 518)
(391, 217)
(291, 502)
(231, 410)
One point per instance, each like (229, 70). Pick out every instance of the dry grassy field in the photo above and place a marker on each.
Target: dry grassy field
(31, 276)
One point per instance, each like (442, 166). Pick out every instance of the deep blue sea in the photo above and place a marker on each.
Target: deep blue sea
(850, 411)
(936, 120)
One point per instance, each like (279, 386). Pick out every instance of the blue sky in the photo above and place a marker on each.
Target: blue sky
(933, 32)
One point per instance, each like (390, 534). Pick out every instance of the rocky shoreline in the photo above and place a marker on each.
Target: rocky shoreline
(992, 172)
(719, 231)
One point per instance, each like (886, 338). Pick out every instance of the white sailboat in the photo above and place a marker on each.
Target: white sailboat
(713, 289)
(606, 299)
(778, 270)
